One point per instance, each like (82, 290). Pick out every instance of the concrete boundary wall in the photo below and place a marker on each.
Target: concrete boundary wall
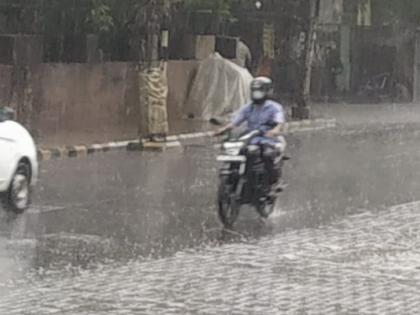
(58, 98)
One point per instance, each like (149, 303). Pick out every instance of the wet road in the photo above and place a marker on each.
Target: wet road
(131, 233)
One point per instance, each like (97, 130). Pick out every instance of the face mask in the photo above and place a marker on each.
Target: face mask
(257, 95)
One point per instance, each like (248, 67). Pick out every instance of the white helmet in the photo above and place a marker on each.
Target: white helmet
(261, 89)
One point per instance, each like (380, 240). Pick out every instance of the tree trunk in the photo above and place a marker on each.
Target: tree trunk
(302, 109)
(152, 78)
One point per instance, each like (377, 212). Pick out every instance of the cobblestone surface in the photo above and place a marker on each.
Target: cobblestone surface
(368, 263)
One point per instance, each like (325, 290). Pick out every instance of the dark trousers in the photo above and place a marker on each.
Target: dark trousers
(271, 158)
(273, 162)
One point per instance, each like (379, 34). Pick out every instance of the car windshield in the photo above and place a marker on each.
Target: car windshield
(3, 115)
(6, 114)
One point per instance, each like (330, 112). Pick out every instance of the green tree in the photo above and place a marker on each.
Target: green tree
(100, 16)
(403, 12)
(220, 7)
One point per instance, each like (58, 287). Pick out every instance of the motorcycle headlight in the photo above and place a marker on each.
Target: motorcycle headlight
(232, 148)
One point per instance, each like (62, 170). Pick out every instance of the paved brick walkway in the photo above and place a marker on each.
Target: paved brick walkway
(366, 264)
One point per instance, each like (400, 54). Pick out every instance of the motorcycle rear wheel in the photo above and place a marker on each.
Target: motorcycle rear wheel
(266, 208)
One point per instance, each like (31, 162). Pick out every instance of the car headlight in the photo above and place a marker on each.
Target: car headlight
(232, 148)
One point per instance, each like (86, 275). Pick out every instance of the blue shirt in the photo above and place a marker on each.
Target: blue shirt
(260, 117)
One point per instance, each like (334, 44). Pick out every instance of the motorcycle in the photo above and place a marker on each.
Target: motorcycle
(243, 179)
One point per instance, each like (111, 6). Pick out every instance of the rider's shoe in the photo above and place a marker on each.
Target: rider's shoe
(279, 187)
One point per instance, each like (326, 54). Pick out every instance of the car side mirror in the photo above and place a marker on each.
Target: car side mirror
(7, 113)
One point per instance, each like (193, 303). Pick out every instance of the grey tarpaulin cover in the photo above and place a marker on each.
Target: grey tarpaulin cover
(220, 88)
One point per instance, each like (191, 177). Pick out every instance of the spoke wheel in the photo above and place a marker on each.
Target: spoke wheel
(229, 206)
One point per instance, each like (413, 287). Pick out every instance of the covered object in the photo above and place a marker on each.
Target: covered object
(220, 88)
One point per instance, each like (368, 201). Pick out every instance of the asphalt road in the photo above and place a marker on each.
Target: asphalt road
(137, 233)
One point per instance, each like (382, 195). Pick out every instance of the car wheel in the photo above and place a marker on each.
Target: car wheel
(18, 197)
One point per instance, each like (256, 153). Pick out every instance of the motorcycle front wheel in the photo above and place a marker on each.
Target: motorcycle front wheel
(266, 208)
(228, 203)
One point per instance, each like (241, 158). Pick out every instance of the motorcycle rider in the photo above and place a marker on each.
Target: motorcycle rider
(267, 116)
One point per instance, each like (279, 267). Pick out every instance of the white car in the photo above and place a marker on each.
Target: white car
(18, 163)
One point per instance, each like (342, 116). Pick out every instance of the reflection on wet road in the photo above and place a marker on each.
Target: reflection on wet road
(138, 234)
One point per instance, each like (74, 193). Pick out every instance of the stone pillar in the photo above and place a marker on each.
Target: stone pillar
(153, 101)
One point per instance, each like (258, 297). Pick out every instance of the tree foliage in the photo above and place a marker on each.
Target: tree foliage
(221, 7)
(100, 16)
(74, 16)
(404, 12)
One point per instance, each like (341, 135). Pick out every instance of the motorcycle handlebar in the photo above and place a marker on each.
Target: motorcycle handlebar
(250, 135)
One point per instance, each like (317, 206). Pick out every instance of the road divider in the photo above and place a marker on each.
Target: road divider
(171, 142)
